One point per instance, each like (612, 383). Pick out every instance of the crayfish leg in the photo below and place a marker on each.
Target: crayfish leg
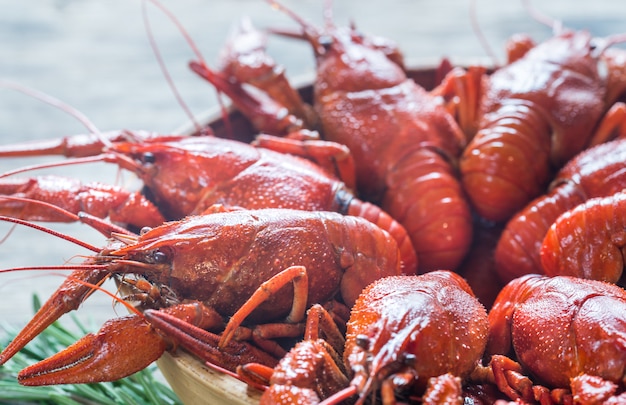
(310, 372)
(334, 157)
(297, 274)
(445, 389)
(204, 344)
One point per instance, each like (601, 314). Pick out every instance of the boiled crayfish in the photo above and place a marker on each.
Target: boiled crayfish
(595, 172)
(185, 175)
(403, 141)
(405, 334)
(217, 260)
(532, 115)
(568, 333)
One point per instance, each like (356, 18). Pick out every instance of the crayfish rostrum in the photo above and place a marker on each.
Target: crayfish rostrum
(216, 261)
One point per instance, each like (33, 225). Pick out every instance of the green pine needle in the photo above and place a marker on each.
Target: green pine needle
(140, 388)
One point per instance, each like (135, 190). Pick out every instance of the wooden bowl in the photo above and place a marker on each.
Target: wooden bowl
(192, 381)
(195, 383)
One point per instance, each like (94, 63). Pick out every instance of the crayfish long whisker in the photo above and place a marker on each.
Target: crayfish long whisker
(106, 228)
(309, 30)
(55, 102)
(329, 21)
(8, 234)
(480, 34)
(556, 25)
(159, 57)
(90, 159)
(68, 214)
(180, 27)
(59, 267)
(51, 232)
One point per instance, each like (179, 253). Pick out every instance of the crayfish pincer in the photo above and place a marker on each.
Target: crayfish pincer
(567, 333)
(215, 261)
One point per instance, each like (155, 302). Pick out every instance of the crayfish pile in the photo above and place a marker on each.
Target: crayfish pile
(374, 237)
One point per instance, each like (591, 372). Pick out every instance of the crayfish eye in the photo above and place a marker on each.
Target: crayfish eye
(363, 341)
(145, 230)
(148, 157)
(325, 41)
(157, 257)
(409, 359)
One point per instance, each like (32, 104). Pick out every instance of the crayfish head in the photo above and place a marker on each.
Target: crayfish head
(572, 51)
(406, 329)
(346, 63)
(349, 61)
(191, 256)
(178, 173)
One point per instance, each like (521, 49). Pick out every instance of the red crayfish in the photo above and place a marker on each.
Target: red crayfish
(215, 262)
(405, 333)
(184, 175)
(403, 141)
(531, 116)
(567, 333)
(595, 172)
(588, 241)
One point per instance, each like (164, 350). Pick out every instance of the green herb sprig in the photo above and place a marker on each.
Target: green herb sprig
(142, 388)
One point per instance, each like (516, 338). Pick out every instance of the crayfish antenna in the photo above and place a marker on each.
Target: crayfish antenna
(556, 25)
(311, 33)
(89, 159)
(157, 53)
(480, 35)
(104, 227)
(55, 102)
(50, 231)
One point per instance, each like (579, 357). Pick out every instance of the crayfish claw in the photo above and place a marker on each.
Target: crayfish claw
(122, 347)
(67, 298)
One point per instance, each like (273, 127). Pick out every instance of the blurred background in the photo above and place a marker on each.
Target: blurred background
(95, 55)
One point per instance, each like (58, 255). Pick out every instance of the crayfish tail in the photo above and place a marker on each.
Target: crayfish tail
(374, 214)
